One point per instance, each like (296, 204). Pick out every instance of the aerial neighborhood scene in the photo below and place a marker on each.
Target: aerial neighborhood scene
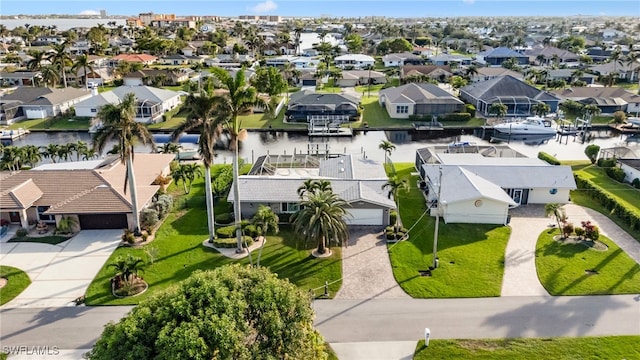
(320, 180)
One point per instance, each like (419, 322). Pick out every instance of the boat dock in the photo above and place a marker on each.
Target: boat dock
(11, 135)
(329, 126)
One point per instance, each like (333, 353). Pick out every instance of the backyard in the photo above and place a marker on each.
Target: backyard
(178, 251)
(471, 256)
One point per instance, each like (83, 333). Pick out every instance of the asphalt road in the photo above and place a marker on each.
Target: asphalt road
(373, 320)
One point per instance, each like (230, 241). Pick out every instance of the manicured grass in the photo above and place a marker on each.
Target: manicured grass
(170, 124)
(180, 252)
(576, 164)
(624, 193)
(609, 347)
(365, 89)
(51, 240)
(582, 198)
(471, 256)
(561, 268)
(17, 281)
(263, 121)
(376, 116)
(53, 124)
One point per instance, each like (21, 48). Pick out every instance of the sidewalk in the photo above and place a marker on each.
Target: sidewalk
(59, 273)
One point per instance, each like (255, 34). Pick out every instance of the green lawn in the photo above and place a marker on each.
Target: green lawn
(609, 347)
(562, 268)
(376, 116)
(70, 123)
(263, 121)
(17, 281)
(180, 252)
(51, 240)
(471, 255)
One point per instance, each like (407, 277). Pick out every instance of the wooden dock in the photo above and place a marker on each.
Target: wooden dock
(330, 131)
(11, 135)
(625, 129)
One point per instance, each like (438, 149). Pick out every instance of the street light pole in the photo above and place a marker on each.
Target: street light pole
(435, 234)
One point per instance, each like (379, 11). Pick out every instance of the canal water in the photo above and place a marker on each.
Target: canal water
(365, 143)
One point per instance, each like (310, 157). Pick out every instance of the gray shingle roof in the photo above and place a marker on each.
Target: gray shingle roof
(459, 184)
(501, 52)
(308, 97)
(116, 95)
(505, 86)
(419, 94)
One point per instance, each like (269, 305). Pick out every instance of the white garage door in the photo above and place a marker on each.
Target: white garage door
(364, 217)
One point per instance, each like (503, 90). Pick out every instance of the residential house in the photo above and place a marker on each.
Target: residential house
(552, 55)
(488, 73)
(305, 103)
(144, 59)
(418, 99)
(450, 59)
(569, 75)
(517, 95)
(352, 78)
(439, 73)
(354, 61)
(497, 56)
(304, 62)
(626, 71)
(91, 191)
(608, 99)
(156, 77)
(38, 103)
(468, 183)
(631, 168)
(401, 59)
(179, 59)
(273, 182)
(19, 78)
(423, 51)
(97, 76)
(151, 103)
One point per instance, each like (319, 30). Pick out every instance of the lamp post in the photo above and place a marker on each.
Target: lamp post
(435, 233)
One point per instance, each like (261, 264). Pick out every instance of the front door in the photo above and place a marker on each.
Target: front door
(14, 216)
(517, 196)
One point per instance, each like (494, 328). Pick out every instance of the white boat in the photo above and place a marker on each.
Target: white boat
(635, 121)
(530, 126)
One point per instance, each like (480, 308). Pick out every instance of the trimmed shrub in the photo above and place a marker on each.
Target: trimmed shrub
(616, 173)
(251, 230)
(229, 243)
(636, 183)
(457, 117)
(426, 118)
(592, 152)
(163, 205)
(548, 158)
(128, 236)
(469, 108)
(606, 163)
(393, 216)
(148, 218)
(567, 229)
(579, 232)
(224, 218)
(22, 232)
(226, 231)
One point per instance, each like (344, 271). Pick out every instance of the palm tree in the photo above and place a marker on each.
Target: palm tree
(557, 211)
(388, 147)
(187, 173)
(35, 64)
(498, 109)
(321, 219)
(540, 58)
(203, 116)
(394, 185)
(81, 148)
(265, 221)
(31, 154)
(591, 110)
(313, 185)
(61, 58)
(12, 158)
(83, 62)
(127, 268)
(65, 151)
(50, 152)
(471, 71)
(541, 109)
(170, 148)
(50, 75)
(118, 122)
(240, 96)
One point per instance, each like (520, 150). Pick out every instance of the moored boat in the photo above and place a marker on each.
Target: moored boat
(530, 126)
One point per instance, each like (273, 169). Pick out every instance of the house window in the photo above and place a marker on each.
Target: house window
(402, 109)
(94, 110)
(290, 207)
(43, 217)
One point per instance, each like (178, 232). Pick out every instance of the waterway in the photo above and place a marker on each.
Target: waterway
(364, 144)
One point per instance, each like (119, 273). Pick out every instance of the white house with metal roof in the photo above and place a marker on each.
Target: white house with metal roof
(274, 181)
(151, 103)
(356, 61)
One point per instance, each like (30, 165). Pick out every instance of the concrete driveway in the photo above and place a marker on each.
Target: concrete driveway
(59, 273)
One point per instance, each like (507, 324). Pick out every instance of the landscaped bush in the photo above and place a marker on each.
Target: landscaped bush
(250, 230)
(636, 183)
(226, 231)
(148, 218)
(128, 236)
(567, 229)
(457, 117)
(163, 205)
(625, 214)
(548, 158)
(231, 242)
(22, 232)
(395, 232)
(616, 173)
(222, 181)
(224, 218)
(469, 108)
(606, 163)
(393, 216)
(422, 118)
(592, 152)
(579, 232)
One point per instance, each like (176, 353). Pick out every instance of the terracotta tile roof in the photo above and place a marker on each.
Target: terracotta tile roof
(135, 57)
(20, 196)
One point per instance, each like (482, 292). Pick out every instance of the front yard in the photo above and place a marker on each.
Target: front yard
(178, 252)
(471, 256)
(16, 281)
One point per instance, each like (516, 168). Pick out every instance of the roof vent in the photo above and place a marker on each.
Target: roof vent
(341, 169)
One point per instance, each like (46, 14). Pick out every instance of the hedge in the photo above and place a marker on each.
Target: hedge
(548, 158)
(615, 173)
(224, 218)
(231, 242)
(626, 214)
(456, 117)
(606, 163)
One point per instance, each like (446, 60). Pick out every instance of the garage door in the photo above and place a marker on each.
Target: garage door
(103, 221)
(364, 217)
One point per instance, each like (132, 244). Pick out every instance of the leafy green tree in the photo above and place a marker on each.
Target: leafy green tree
(232, 312)
(269, 80)
(354, 43)
(457, 82)
(498, 109)
(590, 110)
(202, 115)
(571, 108)
(118, 122)
(592, 152)
(321, 219)
(541, 109)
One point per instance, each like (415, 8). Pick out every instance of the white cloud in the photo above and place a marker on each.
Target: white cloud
(468, 1)
(263, 7)
(89, 12)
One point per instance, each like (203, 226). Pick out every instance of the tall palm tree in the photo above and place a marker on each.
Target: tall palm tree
(50, 152)
(394, 185)
(388, 147)
(321, 219)
(50, 75)
(240, 97)
(31, 154)
(35, 64)
(265, 221)
(12, 158)
(83, 62)
(61, 58)
(313, 185)
(203, 116)
(591, 110)
(81, 148)
(118, 122)
(557, 211)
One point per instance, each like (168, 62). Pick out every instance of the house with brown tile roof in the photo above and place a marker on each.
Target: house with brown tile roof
(135, 58)
(93, 193)
(38, 103)
(440, 73)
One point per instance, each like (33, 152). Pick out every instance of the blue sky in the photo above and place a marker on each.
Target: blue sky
(416, 8)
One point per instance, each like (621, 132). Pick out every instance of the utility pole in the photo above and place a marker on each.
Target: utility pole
(435, 234)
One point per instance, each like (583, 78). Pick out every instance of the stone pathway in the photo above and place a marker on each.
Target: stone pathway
(366, 268)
